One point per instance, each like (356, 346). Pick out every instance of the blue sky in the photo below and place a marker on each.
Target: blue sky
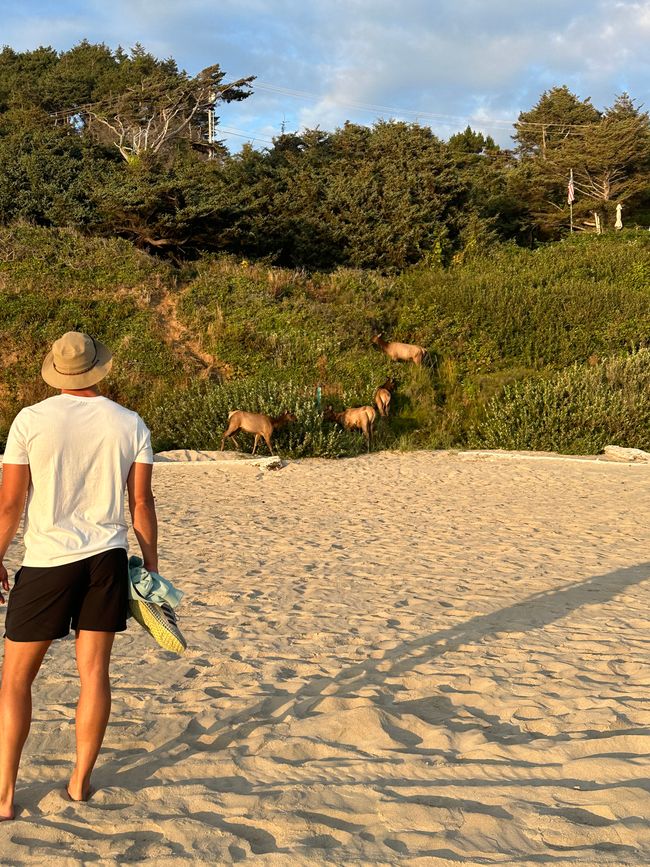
(319, 62)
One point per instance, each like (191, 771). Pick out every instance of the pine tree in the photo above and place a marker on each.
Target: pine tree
(557, 115)
(609, 156)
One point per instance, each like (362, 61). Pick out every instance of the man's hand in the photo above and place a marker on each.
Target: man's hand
(4, 582)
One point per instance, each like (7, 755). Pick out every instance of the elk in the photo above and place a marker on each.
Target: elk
(354, 418)
(256, 423)
(400, 351)
(382, 396)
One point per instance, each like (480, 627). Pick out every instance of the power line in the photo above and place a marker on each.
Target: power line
(240, 133)
(500, 123)
(300, 94)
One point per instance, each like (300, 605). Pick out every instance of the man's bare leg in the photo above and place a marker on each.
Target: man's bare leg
(94, 707)
(21, 664)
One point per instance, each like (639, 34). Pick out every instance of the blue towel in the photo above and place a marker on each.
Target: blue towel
(151, 586)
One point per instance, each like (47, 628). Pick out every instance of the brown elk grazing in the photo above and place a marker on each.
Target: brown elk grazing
(400, 351)
(383, 395)
(256, 423)
(354, 418)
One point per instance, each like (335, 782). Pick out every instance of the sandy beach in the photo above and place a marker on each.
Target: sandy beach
(401, 658)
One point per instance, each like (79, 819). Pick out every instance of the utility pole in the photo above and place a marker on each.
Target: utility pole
(211, 124)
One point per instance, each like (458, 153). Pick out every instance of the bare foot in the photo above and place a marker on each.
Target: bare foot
(88, 794)
(7, 814)
(78, 790)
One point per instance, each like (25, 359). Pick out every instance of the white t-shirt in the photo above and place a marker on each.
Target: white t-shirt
(79, 451)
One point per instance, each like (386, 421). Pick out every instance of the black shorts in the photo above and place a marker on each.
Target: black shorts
(92, 594)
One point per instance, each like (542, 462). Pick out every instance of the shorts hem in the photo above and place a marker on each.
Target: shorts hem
(97, 629)
(47, 638)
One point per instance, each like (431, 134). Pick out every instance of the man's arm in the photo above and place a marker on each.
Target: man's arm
(15, 483)
(143, 513)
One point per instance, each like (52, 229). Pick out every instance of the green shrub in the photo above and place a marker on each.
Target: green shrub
(195, 418)
(548, 307)
(579, 410)
(33, 257)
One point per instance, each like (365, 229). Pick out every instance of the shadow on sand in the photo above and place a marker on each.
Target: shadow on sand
(534, 612)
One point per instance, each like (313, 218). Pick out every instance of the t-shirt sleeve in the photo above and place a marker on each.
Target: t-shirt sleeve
(16, 448)
(144, 452)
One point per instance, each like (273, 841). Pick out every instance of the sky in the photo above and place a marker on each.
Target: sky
(444, 63)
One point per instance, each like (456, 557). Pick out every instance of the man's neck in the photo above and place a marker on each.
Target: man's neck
(81, 392)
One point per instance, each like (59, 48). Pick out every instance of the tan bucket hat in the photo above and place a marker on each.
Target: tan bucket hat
(76, 361)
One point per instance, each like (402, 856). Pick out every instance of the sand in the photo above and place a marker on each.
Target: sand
(401, 658)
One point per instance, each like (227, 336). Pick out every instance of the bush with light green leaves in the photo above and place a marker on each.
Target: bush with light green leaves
(579, 410)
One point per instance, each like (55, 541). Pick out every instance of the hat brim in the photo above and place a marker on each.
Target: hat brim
(97, 372)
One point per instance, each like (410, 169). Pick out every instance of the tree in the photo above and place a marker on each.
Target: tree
(62, 173)
(21, 76)
(608, 153)
(176, 209)
(611, 164)
(382, 197)
(47, 171)
(558, 115)
(471, 142)
(402, 201)
(63, 83)
(80, 76)
(610, 161)
(489, 174)
(152, 116)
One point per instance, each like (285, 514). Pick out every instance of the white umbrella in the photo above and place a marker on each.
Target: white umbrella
(619, 219)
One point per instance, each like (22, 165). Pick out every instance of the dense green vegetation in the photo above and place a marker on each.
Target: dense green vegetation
(530, 348)
(115, 144)
(587, 408)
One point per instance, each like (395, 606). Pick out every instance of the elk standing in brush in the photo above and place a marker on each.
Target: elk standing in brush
(256, 423)
(354, 418)
(383, 395)
(400, 351)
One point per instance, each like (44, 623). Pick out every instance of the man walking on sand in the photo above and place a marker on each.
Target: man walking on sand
(71, 457)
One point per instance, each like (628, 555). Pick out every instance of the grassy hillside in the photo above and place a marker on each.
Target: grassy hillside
(53, 281)
(191, 344)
